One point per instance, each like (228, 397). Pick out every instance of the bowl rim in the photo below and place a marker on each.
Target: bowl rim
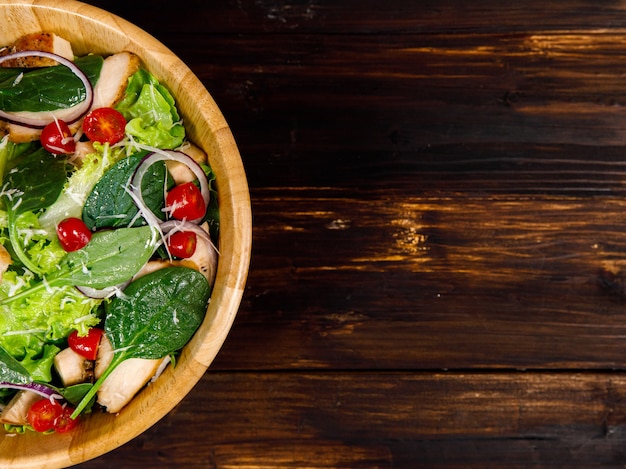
(234, 200)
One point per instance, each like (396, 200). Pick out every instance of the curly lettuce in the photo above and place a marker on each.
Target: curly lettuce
(31, 328)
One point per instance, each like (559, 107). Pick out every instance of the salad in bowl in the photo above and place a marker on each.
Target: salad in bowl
(109, 225)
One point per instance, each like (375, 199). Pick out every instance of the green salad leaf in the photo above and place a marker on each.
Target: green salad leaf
(79, 184)
(151, 113)
(35, 193)
(24, 193)
(10, 151)
(156, 316)
(109, 205)
(111, 257)
(29, 328)
(12, 370)
(46, 88)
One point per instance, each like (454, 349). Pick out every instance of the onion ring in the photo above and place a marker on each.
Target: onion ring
(172, 226)
(170, 155)
(38, 120)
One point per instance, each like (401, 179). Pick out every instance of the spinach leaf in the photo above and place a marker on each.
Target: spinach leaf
(37, 181)
(110, 258)
(12, 370)
(110, 205)
(158, 313)
(34, 184)
(75, 393)
(46, 88)
(156, 316)
(9, 152)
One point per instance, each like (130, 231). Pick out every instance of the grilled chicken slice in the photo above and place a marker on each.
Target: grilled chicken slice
(125, 381)
(116, 70)
(180, 172)
(43, 41)
(205, 257)
(72, 368)
(16, 411)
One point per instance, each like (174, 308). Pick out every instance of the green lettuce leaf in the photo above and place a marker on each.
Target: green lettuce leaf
(31, 328)
(151, 112)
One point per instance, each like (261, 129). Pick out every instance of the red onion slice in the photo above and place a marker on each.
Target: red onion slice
(169, 155)
(38, 120)
(37, 388)
(172, 226)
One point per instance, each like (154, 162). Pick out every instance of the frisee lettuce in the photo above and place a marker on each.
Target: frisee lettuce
(29, 328)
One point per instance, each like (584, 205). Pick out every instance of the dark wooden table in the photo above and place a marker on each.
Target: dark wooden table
(439, 253)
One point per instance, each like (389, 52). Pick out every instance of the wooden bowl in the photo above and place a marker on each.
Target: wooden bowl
(91, 29)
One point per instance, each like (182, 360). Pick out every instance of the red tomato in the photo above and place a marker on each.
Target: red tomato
(73, 234)
(86, 346)
(47, 414)
(64, 422)
(42, 414)
(56, 138)
(185, 202)
(104, 125)
(182, 244)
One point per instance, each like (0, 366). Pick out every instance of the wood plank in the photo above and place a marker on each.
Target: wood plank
(389, 419)
(397, 107)
(394, 17)
(457, 282)
(521, 85)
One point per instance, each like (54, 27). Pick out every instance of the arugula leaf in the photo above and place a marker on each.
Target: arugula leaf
(156, 316)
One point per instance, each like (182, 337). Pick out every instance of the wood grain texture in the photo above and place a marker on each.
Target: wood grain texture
(438, 195)
(389, 419)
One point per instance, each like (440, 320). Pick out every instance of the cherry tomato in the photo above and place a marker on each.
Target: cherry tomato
(43, 413)
(86, 346)
(73, 234)
(56, 138)
(182, 244)
(47, 414)
(185, 202)
(64, 422)
(104, 125)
